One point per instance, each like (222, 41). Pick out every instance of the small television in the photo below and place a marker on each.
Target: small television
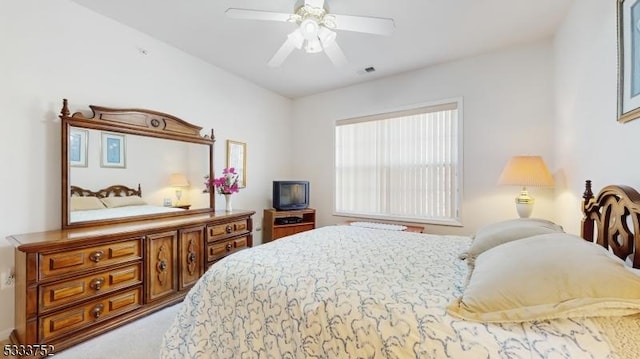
(290, 195)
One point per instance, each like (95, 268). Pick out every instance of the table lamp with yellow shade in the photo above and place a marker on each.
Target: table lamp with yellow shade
(526, 171)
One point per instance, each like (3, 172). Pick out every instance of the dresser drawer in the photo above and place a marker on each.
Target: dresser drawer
(53, 264)
(82, 316)
(219, 231)
(58, 294)
(220, 249)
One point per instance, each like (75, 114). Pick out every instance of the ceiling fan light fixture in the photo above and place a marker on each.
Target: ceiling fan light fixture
(309, 28)
(326, 36)
(313, 46)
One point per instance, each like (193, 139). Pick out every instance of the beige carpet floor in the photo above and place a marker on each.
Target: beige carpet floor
(138, 340)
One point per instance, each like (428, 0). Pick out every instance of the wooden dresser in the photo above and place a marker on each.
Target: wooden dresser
(74, 284)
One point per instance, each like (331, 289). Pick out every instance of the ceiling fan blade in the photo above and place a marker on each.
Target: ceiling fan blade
(315, 3)
(248, 14)
(330, 46)
(294, 41)
(278, 58)
(370, 25)
(335, 54)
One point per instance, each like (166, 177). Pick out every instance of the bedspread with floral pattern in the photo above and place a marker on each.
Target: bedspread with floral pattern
(348, 292)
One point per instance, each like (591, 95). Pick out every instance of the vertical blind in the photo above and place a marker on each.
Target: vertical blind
(399, 165)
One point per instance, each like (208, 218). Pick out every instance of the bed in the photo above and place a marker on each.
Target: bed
(115, 201)
(353, 292)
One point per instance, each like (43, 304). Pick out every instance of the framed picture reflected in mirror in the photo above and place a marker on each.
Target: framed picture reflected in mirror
(112, 150)
(78, 147)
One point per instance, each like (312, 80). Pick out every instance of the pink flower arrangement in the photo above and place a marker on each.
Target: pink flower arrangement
(227, 184)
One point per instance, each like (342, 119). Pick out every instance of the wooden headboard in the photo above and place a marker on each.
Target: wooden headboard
(612, 220)
(111, 191)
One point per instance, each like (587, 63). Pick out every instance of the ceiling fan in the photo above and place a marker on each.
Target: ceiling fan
(315, 29)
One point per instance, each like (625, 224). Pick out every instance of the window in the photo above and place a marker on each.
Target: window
(404, 165)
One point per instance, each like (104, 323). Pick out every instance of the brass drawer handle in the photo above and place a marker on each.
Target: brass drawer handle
(191, 257)
(229, 228)
(229, 246)
(97, 310)
(96, 283)
(162, 266)
(96, 256)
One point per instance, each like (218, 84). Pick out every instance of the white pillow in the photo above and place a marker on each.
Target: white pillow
(79, 203)
(541, 222)
(113, 202)
(544, 277)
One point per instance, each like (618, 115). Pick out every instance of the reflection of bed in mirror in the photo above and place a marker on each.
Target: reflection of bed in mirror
(112, 202)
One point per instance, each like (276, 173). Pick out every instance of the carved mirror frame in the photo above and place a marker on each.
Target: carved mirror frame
(135, 122)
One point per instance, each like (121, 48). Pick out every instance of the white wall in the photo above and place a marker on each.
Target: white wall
(590, 143)
(508, 110)
(56, 49)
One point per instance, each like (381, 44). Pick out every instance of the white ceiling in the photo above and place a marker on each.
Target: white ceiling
(427, 32)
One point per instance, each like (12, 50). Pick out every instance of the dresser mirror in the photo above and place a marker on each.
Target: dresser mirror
(122, 165)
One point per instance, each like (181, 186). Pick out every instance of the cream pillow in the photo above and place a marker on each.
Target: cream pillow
(544, 277)
(113, 202)
(506, 231)
(540, 222)
(79, 203)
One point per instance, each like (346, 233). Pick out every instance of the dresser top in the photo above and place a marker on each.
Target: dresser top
(61, 238)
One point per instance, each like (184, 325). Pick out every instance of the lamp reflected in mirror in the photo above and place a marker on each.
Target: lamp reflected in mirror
(178, 181)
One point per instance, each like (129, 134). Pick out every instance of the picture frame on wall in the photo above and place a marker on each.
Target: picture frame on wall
(78, 147)
(237, 158)
(112, 150)
(628, 23)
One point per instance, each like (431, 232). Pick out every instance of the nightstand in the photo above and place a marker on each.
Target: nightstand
(278, 224)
